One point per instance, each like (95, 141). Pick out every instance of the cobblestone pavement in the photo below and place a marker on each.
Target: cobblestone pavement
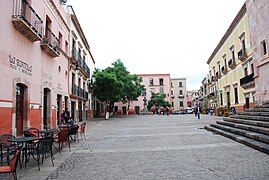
(153, 147)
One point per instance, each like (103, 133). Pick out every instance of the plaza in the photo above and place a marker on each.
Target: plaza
(153, 147)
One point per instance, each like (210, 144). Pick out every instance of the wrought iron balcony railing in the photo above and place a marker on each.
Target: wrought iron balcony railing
(76, 55)
(247, 81)
(242, 55)
(26, 20)
(77, 91)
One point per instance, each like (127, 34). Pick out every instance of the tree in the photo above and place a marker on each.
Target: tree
(132, 87)
(115, 84)
(157, 100)
(106, 87)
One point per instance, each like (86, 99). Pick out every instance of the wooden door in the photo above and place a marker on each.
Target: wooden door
(19, 109)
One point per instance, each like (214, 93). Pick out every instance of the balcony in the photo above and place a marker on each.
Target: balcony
(218, 75)
(50, 44)
(224, 70)
(247, 81)
(81, 62)
(242, 56)
(231, 64)
(181, 96)
(27, 21)
(78, 92)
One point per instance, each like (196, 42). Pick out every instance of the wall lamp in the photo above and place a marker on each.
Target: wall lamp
(75, 65)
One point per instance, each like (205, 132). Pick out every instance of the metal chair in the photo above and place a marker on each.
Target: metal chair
(12, 168)
(82, 130)
(6, 148)
(62, 137)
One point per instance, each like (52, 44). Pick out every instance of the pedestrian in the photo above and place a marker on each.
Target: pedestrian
(66, 115)
(62, 120)
(198, 112)
(195, 111)
(167, 111)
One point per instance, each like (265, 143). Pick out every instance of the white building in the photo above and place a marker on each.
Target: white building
(179, 93)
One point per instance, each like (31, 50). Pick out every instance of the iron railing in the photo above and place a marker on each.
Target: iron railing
(23, 10)
(76, 55)
(247, 79)
(51, 39)
(79, 92)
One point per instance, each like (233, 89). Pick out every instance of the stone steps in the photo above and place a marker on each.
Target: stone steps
(262, 106)
(255, 113)
(250, 117)
(263, 147)
(249, 134)
(258, 110)
(245, 127)
(248, 122)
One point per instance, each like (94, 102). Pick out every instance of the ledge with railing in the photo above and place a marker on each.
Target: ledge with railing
(247, 81)
(76, 55)
(77, 91)
(231, 64)
(242, 56)
(26, 20)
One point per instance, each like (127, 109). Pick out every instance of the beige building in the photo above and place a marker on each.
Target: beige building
(230, 64)
(179, 93)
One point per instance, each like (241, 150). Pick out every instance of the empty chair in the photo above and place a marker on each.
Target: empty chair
(62, 137)
(81, 130)
(12, 168)
(41, 149)
(6, 148)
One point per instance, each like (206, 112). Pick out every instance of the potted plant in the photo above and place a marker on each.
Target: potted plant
(226, 111)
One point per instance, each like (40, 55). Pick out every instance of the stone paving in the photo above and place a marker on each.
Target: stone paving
(153, 147)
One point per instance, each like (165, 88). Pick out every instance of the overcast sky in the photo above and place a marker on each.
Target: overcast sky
(156, 36)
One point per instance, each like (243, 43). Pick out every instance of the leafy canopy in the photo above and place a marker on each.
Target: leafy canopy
(158, 100)
(116, 84)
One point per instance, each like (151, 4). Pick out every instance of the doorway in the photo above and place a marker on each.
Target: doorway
(80, 110)
(247, 103)
(228, 99)
(73, 106)
(59, 107)
(19, 108)
(124, 110)
(46, 108)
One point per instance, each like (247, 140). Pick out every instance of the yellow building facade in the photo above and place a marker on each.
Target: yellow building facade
(231, 67)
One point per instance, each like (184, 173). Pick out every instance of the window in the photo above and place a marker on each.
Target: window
(264, 48)
(245, 71)
(243, 44)
(152, 90)
(151, 82)
(232, 54)
(172, 93)
(252, 68)
(180, 92)
(144, 92)
(225, 60)
(180, 84)
(181, 103)
(172, 84)
(66, 47)
(161, 81)
(161, 90)
(172, 104)
(60, 39)
(235, 95)
(221, 99)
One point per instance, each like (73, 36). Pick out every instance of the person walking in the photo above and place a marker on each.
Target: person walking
(66, 115)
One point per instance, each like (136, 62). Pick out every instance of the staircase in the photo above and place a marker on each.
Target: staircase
(250, 127)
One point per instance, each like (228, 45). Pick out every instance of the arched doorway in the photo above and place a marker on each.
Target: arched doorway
(46, 108)
(21, 109)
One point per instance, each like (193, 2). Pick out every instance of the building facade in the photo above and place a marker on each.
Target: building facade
(34, 65)
(157, 83)
(37, 65)
(230, 64)
(81, 62)
(179, 93)
(258, 12)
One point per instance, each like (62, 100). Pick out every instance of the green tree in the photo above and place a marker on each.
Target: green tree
(106, 87)
(158, 100)
(127, 88)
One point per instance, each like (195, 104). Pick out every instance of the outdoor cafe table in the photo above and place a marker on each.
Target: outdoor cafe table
(24, 141)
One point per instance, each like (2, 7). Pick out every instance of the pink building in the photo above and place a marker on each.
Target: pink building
(258, 13)
(34, 64)
(157, 83)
